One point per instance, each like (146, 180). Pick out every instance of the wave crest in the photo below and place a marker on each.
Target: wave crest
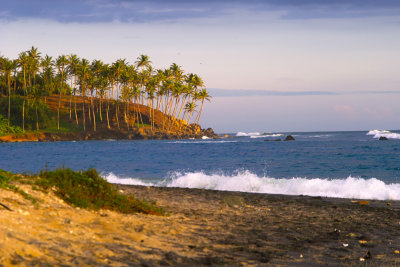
(114, 179)
(384, 133)
(257, 135)
(239, 134)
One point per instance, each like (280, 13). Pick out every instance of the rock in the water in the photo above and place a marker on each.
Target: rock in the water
(289, 138)
(383, 138)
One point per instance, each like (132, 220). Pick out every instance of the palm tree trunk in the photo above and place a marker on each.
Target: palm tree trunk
(182, 106)
(196, 121)
(116, 113)
(9, 99)
(83, 111)
(37, 118)
(100, 111)
(125, 116)
(94, 115)
(108, 109)
(59, 102)
(70, 103)
(117, 108)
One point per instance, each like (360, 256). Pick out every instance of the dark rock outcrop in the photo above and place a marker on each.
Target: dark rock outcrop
(383, 138)
(289, 138)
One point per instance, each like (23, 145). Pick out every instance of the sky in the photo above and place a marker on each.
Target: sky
(270, 65)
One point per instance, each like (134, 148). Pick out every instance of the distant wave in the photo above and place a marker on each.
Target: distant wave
(203, 142)
(384, 133)
(257, 135)
(248, 134)
(246, 181)
(320, 136)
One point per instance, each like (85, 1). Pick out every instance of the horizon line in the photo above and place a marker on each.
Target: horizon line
(219, 92)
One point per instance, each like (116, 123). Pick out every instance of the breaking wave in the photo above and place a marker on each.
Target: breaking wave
(245, 181)
(384, 133)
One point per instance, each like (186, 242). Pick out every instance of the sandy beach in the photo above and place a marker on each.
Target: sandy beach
(202, 227)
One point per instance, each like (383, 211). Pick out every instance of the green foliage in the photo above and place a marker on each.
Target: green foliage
(5, 129)
(87, 189)
(65, 127)
(6, 179)
(45, 115)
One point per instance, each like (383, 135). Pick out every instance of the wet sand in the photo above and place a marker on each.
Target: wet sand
(202, 227)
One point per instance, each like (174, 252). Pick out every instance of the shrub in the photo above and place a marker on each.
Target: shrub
(5, 129)
(45, 115)
(87, 189)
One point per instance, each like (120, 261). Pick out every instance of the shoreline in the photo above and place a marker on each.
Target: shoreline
(104, 135)
(394, 203)
(202, 227)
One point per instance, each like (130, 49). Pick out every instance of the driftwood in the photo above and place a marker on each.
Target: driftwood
(7, 208)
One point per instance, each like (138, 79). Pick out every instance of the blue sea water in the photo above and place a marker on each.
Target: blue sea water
(334, 164)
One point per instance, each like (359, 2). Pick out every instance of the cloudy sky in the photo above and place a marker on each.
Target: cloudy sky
(271, 65)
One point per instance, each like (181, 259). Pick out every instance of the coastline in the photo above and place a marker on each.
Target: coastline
(203, 227)
(104, 134)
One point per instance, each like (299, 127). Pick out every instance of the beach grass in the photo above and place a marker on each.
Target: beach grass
(7, 180)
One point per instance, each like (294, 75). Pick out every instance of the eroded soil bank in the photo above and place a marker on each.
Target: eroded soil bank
(106, 134)
(203, 228)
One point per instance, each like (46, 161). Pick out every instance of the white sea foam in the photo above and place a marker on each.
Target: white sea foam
(246, 181)
(112, 178)
(265, 135)
(205, 137)
(320, 136)
(384, 133)
(248, 134)
(257, 135)
(374, 132)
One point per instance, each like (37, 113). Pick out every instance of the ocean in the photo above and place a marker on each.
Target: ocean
(331, 164)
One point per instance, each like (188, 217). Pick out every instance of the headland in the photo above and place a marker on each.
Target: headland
(153, 124)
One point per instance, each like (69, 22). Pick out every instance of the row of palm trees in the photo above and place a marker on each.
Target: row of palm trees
(99, 86)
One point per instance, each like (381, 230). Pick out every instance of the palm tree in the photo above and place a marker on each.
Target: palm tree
(7, 67)
(15, 73)
(171, 92)
(34, 59)
(190, 108)
(202, 96)
(73, 62)
(23, 62)
(61, 64)
(118, 68)
(84, 74)
(47, 65)
(36, 94)
(142, 61)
